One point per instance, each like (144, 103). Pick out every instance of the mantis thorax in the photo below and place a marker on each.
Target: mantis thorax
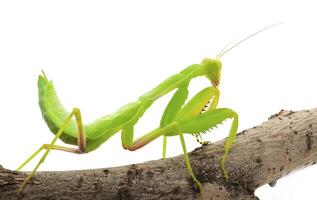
(213, 70)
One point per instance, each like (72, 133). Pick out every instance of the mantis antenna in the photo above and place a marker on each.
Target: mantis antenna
(226, 49)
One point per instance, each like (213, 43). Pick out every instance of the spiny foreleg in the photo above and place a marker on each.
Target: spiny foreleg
(210, 119)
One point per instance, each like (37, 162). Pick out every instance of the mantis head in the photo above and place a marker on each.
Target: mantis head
(213, 69)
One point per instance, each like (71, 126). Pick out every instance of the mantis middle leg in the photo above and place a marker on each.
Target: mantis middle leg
(175, 111)
(175, 104)
(81, 145)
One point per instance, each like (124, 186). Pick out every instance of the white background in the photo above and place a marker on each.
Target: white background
(104, 55)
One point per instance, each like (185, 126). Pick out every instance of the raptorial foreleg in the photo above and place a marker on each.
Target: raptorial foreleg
(209, 119)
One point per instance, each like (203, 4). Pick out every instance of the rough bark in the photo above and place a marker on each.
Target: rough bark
(260, 155)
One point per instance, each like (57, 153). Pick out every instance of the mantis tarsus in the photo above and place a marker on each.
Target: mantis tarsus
(178, 118)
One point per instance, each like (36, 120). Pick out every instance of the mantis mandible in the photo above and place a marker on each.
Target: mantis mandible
(178, 117)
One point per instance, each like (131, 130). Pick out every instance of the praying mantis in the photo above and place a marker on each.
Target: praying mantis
(194, 117)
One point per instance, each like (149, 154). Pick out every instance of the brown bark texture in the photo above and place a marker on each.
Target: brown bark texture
(260, 155)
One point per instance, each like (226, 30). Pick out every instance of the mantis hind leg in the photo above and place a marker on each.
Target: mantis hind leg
(171, 128)
(81, 145)
(208, 120)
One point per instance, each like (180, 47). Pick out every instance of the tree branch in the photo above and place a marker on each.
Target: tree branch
(260, 155)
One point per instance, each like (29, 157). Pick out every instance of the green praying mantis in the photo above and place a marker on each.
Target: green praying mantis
(194, 117)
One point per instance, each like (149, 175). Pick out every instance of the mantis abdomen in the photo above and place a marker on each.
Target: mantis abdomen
(96, 133)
